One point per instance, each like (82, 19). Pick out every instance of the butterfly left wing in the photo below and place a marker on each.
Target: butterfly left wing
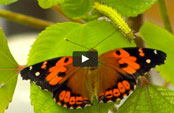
(67, 83)
(119, 68)
(76, 92)
(50, 74)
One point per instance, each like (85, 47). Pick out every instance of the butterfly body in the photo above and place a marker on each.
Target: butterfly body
(113, 79)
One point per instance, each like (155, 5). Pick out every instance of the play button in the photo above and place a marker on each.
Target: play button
(85, 58)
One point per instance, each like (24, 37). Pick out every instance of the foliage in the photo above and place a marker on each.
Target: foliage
(149, 99)
(6, 2)
(79, 8)
(49, 3)
(50, 44)
(163, 40)
(129, 8)
(76, 8)
(8, 69)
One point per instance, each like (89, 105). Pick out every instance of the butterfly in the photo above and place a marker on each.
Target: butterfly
(113, 79)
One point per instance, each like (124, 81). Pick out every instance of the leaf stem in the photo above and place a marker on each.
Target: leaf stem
(18, 69)
(148, 97)
(164, 15)
(8, 80)
(21, 67)
(144, 81)
(58, 9)
(23, 19)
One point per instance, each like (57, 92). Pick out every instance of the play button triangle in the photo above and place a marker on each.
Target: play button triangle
(84, 58)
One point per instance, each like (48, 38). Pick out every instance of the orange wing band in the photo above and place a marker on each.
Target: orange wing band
(60, 66)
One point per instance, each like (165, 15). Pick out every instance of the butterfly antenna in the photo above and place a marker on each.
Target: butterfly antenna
(75, 43)
(104, 39)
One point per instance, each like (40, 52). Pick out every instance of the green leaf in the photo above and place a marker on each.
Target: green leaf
(6, 2)
(49, 3)
(8, 69)
(158, 38)
(76, 8)
(50, 43)
(129, 8)
(149, 99)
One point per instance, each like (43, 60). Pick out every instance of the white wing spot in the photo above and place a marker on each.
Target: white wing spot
(148, 61)
(30, 68)
(37, 74)
(155, 51)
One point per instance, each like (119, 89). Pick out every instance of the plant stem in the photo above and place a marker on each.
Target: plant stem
(23, 19)
(164, 15)
(58, 9)
(135, 23)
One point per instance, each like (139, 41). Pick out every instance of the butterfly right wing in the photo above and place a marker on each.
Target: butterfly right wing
(133, 61)
(112, 85)
(118, 70)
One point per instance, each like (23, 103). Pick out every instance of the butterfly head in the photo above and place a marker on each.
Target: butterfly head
(92, 49)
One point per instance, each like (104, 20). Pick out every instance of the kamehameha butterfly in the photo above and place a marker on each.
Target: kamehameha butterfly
(113, 79)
